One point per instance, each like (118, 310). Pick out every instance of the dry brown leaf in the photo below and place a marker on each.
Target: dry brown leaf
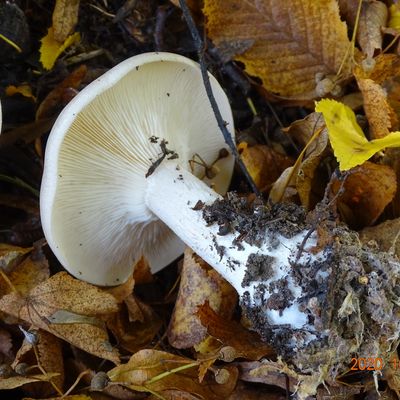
(286, 44)
(142, 273)
(50, 359)
(368, 189)
(373, 18)
(27, 274)
(348, 10)
(152, 370)
(308, 181)
(11, 255)
(386, 66)
(74, 298)
(379, 113)
(135, 325)
(70, 397)
(279, 374)
(18, 381)
(121, 292)
(6, 347)
(65, 18)
(61, 94)
(199, 283)
(264, 164)
(242, 342)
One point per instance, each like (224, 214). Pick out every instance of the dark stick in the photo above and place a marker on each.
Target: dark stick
(206, 80)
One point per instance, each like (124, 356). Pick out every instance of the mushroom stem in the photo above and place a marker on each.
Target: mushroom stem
(172, 195)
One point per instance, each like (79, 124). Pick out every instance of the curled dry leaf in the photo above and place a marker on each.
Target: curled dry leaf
(380, 115)
(264, 164)
(65, 18)
(157, 371)
(11, 255)
(367, 190)
(199, 283)
(56, 98)
(303, 178)
(76, 297)
(278, 373)
(135, 325)
(287, 43)
(243, 343)
(50, 359)
(373, 18)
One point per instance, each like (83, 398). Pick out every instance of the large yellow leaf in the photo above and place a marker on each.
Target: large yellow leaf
(286, 43)
(349, 144)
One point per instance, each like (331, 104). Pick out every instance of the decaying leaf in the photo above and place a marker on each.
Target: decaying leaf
(65, 18)
(135, 325)
(349, 144)
(367, 190)
(199, 283)
(380, 115)
(11, 255)
(263, 163)
(74, 296)
(29, 273)
(373, 18)
(57, 97)
(288, 44)
(156, 371)
(394, 17)
(308, 181)
(243, 343)
(19, 380)
(24, 90)
(51, 49)
(50, 358)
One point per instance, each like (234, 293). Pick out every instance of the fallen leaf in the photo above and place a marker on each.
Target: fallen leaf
(51, 49)
(18, 381)
(69, 397)
(24, 90)
(11, 255)
(350, 146)
(50, 358)
(379, 113)
(6, 347)
(156, 371)
(74, 296)
(65, 18)
(287, 44)
(27, 274)
(308, 181)
(373, 18)
(135, 325)
(394, 17)
(56, 97)
(367, 190)
(264, 164)
(199, 283)
(243, 343)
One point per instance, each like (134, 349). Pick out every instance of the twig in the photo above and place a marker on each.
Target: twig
(206, 80)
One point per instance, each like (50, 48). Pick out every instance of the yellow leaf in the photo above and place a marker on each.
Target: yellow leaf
(287, 44)
(51, 49)
(394, 20)
(24, 89)
(349, 144)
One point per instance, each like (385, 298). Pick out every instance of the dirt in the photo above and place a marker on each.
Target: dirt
(351, 295)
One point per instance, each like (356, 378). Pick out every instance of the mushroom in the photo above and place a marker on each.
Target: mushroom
(104, 161)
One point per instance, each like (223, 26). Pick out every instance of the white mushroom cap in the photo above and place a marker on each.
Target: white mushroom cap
(92, 197)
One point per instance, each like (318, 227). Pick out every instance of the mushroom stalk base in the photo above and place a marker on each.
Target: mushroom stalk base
(318, 311)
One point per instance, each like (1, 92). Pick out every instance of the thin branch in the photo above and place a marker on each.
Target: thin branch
(206, 80)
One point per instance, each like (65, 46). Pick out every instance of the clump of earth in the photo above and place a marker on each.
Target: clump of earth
(350, 292)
